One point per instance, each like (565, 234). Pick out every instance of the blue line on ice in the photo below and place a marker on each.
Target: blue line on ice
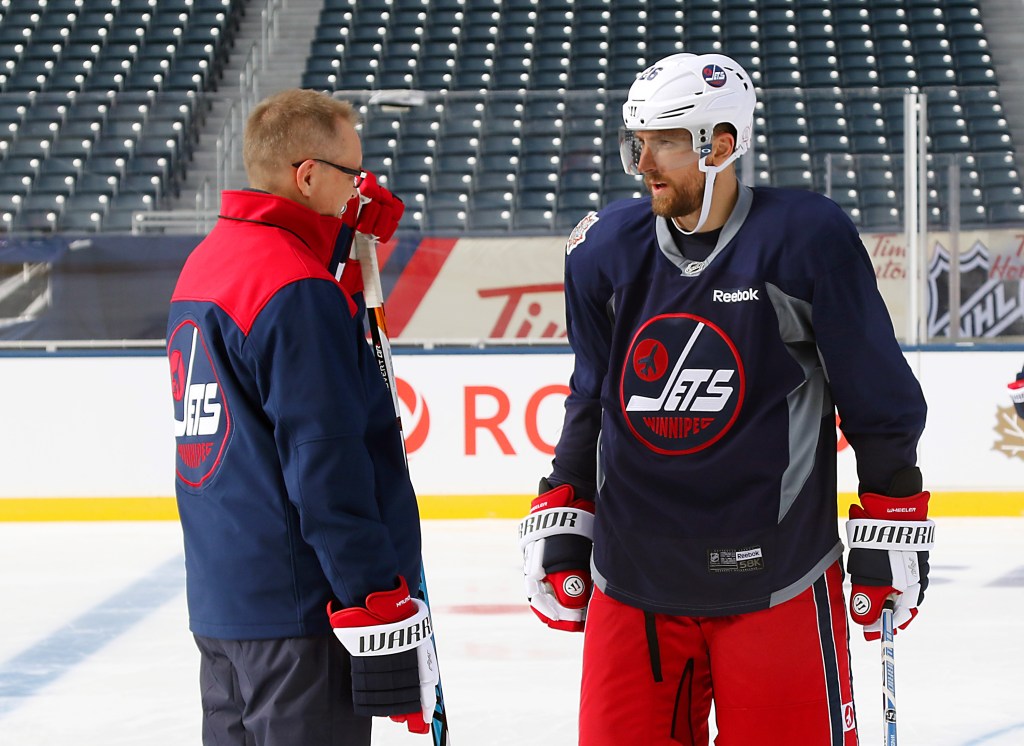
(987, 738)
(22, 676)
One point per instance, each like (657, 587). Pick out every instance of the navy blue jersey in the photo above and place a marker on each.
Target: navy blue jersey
(703, 399)
(291, 480)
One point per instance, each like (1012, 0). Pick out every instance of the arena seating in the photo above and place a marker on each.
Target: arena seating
(99, 101)
(524, 135)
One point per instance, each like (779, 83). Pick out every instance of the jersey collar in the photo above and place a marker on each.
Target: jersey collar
(318, 232)
(687, 267)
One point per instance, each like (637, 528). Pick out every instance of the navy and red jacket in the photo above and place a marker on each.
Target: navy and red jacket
(702, 406)
(290, 474)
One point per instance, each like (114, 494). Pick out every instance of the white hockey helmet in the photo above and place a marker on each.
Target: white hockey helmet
(693, 92)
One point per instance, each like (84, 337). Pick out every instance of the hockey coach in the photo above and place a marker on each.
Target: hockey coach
(291, 482)
(689, 525)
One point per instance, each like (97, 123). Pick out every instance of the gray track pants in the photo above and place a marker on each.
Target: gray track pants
(283, 692)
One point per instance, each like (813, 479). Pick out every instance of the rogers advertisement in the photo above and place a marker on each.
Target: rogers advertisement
(488, 423)
(480, 428)
(469, 431)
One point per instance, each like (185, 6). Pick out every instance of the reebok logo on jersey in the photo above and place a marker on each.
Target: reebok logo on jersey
(682, 385)
(201, 418)
(735, 296)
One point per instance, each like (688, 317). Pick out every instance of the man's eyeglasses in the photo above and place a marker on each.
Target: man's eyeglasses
(359, 176)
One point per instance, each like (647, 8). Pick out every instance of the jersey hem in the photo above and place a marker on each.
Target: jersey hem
(742, 606)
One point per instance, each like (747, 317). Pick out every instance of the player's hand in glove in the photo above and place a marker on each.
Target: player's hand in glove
(393, 675)
(1017, 394)
(890, 538)
(556, 540)
(374, 210)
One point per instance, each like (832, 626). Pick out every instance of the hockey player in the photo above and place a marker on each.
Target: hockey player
(302, 536)
(716, 329)
(1017, 393)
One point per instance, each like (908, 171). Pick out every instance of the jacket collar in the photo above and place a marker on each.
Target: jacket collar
(318, 232)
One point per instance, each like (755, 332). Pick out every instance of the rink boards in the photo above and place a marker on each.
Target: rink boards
(91, 438)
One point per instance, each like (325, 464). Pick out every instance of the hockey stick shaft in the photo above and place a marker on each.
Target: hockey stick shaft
(889, 675)
(373, 295)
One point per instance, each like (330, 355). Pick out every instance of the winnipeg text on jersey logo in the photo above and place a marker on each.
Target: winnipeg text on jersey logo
(201, 418)
(682, 384)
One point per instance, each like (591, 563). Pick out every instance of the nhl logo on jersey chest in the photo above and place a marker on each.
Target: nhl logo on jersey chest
(682, 384)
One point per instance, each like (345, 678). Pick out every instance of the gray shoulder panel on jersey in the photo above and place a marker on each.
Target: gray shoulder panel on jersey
(808, 402)
(744, 198)
(793, 590)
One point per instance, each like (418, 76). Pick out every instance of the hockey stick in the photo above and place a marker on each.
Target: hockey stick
(889, 675)
(373, 295)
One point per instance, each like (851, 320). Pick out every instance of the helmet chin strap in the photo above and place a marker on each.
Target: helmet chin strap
(709, 187)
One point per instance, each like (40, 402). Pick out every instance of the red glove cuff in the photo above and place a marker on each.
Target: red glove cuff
(881, 507)
(383, 607)
(561, 496)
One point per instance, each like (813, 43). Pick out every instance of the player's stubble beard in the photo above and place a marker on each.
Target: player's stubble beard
(679, 200)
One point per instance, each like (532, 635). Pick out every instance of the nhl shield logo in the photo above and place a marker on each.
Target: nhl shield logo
(201, 418)
(682, 384)
(989, 306)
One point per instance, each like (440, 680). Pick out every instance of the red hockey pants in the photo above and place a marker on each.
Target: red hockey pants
(778, 677)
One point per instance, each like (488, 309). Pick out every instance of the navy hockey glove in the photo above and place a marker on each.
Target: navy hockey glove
(556, 540)
(1017, 394)
(890, 538)
(394, 670)
(378, 211)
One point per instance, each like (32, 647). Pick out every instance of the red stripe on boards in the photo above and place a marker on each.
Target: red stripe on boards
(416, 279)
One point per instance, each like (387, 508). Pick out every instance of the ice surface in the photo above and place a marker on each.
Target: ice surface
(95, 650)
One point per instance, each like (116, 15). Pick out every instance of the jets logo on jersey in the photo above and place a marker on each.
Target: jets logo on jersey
(714, 76)
(682, 385)
(579, 233)
(201, 419)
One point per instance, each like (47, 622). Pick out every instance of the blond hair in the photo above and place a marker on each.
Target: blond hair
(290, 126)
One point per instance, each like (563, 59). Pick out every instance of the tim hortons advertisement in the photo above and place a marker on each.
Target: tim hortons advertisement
(510, 289)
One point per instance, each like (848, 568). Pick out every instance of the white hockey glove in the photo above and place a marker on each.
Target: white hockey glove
(394, 670)
(556, 540)
(890, 538)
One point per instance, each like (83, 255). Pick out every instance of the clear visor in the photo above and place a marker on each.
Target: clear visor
(669, 150)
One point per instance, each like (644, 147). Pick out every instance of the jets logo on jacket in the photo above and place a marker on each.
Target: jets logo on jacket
(201, 419)
(682, 384)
